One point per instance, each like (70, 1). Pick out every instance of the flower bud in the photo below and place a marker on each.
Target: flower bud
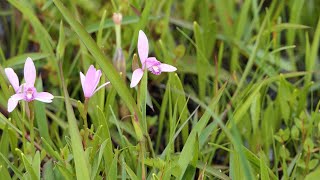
(117, 18)
(119, 62)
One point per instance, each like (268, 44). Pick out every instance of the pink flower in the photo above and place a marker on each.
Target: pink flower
(90, 81)
(150, 63)
(26, 91)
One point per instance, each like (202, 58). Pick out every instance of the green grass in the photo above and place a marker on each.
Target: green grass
(243, 104)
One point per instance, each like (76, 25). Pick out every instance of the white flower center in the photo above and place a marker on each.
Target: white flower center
(29, 94)
(156, 68)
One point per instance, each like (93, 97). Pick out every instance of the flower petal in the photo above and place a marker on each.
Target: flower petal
(97, 79)
(136, 77)
(13, 101)
(143, 46)
(167, 68)
(103, 85)
(82, 79)
(152, 61)
(29, 72)
(12, 104)
(17, 97)
(89, 81)
(44, 97)
(13, 78)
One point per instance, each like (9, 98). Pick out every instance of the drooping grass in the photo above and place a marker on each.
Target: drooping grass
(243, 104)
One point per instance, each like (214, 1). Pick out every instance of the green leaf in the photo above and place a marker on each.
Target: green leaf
(20, 59)
(202, 62)
(191, 169)
(312, 56)
(50, 150)
(108, 153)
(65, 172)
(4, 143)
(27, 165)
(314, 175)
(97, 160)
(48, 172)
(112, 173)
(243, 107)
(188, 6)
(132, 175)
(178, 98)
(263, 168)
(12, 167)
(36, 164)
(186, 153)
(143, 90)
(255, 110)
(3, 161)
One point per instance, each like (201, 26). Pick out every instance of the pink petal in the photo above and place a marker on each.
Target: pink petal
(12, 104)
(89, 81)
(97, 79)
(82, 79)
(143, 46)
(13, 78)
(44, 97)
(136, 77)
(13, 101)
(103, 85)
(29, 72)
(151, 61)
(17, 97)
(167, 68)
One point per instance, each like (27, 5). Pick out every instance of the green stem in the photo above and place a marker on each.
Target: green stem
(31, 110)
(118, 35)
(142, 151)
(85, 121)
(21, 125)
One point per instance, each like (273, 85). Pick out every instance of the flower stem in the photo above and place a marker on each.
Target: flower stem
(142, 156)
(31, 110)
(85, 121)
(118, 35)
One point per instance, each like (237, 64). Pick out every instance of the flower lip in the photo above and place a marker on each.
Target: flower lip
(153, 65)
(29, 93)
(155, 69)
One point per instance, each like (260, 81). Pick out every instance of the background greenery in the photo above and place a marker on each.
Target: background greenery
(243, 104)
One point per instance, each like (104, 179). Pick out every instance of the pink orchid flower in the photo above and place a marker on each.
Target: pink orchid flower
(151, 63)
(26, 91)
(90, 81)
